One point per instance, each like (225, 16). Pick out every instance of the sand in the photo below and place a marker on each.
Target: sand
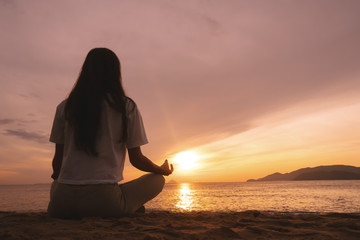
(191, 225)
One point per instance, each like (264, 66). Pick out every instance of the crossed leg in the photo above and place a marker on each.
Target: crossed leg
(141, 190)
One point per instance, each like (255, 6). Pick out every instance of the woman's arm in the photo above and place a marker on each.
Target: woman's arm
(142, 163)
(57, 160)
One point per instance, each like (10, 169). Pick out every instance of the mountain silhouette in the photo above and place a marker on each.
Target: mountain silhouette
(333, 172)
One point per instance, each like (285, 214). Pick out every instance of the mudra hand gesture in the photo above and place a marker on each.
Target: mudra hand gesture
(165, 167)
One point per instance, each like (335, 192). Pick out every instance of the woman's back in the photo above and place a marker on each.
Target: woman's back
(79, 167)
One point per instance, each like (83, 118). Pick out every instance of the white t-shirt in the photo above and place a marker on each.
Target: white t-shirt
(79, 167)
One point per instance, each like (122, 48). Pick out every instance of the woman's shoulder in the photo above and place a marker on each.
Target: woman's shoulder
(129, 100)
(61, 105)
(130, 104)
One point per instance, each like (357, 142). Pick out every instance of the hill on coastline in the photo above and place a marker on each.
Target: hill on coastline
(333, 172)
(172, 181)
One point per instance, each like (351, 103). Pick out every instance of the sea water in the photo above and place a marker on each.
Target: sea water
(284, 196)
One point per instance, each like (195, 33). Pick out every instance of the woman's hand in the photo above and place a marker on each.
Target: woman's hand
(165, 167)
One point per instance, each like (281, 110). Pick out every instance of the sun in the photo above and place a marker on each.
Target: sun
(186, 160)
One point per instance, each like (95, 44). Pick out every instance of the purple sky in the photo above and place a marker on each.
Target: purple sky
(200, 71)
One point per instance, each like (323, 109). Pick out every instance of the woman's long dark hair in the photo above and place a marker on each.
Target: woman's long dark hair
(99, 80)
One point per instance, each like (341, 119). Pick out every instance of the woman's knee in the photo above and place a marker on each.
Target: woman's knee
(157, 181)
(161, 181)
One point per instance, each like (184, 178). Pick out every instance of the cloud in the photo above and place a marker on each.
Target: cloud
(6, 121)
(31, 136)
(18, 122)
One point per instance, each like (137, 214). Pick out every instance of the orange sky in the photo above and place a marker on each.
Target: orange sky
(254, 88)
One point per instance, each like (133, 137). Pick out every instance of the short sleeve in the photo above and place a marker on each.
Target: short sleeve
(135, 127)
(58, 128)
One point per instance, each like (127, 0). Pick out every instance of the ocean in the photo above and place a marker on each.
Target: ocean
(284, 196)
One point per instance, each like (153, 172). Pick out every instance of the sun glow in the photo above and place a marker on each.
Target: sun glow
(186, 160)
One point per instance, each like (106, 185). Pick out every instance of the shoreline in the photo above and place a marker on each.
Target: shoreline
(150, 210)
(184, 225)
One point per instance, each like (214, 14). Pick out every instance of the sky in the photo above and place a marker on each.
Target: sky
(253, 87)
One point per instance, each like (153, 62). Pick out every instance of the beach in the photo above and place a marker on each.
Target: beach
(183, 225)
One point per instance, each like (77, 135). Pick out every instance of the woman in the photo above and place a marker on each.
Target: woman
(92, 129)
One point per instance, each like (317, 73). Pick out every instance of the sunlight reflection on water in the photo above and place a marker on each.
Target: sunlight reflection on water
(185, 196)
